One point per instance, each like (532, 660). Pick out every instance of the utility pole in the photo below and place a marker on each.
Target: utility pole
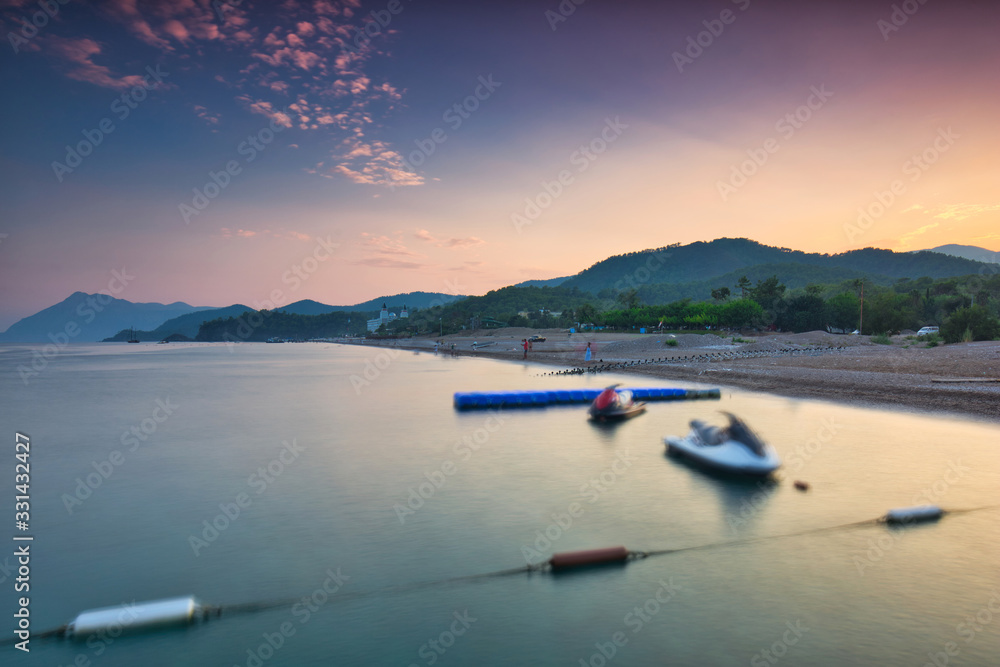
(861, 326)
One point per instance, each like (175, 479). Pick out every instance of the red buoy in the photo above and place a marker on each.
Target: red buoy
(589, 557)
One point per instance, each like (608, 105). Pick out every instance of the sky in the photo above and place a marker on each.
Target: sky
(261, 153)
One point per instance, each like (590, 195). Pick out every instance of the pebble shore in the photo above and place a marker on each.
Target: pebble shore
(818, 365)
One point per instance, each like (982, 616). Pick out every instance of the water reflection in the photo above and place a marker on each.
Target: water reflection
(742, 499)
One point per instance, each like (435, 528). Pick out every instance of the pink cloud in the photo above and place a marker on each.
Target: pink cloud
(389, 91)
(307, 36)
(386, 263)
(127, 12)
(80, 53)
(273, 40)
(466, 242)
(326, 25)
(266, 109)
(362, 150)
(373, 174)
(453, 242)
(373, 163)
(205, 115)
(301, 59)
(203, 29)
(306, 59)
(228, 233)
(386, 246)
(176, 30)
(322, 7)
(343, 63)
(360, 85)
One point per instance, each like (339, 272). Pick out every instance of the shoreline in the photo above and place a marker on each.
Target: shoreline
(814, 365)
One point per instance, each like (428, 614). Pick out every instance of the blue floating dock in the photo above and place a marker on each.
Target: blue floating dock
(472, 400)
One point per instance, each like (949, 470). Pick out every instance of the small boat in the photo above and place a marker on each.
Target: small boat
(131, 335)
(733, 449)
(614, 405)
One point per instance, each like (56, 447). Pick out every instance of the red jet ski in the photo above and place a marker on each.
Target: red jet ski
(614, 405)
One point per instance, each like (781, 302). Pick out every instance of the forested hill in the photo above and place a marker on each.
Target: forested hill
(793, 276)
(702, 261)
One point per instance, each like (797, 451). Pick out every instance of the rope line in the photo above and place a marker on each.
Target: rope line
(253, 607)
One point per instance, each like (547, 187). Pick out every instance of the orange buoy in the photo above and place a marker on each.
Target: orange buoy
(589, 557)
(801, 486)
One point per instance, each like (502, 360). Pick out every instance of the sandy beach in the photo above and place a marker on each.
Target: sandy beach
(953, 378)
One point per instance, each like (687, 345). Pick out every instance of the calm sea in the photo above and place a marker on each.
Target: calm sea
(351, 472)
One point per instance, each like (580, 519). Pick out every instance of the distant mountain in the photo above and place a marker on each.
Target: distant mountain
(411, 300)
(661, 275)
(702, 261)
(968, 252)
(189, 324)
(186, 325)
(551, 282)
(308, 307)
(84, 318)
(97, 317)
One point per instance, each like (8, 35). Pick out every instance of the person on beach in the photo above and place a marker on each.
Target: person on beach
(587, 354)
(524, 344)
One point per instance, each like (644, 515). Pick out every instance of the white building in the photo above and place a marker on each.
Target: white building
(384, 317)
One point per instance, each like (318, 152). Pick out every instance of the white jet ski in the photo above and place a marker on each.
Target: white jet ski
(733, 449)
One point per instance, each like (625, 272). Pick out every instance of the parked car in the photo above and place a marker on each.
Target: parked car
(927, 330)
(536, 339)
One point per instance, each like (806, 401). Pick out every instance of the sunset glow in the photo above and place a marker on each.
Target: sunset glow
(211, 148)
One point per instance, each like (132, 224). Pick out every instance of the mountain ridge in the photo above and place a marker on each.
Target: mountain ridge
(665, 273)
(95, 317)
(975, 253)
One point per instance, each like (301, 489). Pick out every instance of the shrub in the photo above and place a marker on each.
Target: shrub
(881, 339)
(670, 343)
(969, 324)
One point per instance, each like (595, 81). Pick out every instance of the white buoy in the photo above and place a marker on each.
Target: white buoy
(132, 617)
(914, 514)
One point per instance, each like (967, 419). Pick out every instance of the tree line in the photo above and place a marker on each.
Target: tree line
(966, 308)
